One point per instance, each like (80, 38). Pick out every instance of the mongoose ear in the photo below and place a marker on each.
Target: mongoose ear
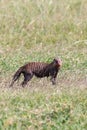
(55, 60)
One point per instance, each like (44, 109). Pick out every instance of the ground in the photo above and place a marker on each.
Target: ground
(40, 31)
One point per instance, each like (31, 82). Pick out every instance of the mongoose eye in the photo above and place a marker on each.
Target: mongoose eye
(59, 62)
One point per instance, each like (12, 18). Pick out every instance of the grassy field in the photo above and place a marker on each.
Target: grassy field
(40, 31)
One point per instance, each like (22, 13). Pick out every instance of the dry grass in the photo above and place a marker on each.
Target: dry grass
(39, 31)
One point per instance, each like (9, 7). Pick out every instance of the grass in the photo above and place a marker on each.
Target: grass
(39, 31)
(24, 110)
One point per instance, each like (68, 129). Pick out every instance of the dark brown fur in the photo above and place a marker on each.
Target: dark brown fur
(39, 69)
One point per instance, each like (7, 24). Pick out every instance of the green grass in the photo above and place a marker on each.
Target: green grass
(40, 31)
(24, 110)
